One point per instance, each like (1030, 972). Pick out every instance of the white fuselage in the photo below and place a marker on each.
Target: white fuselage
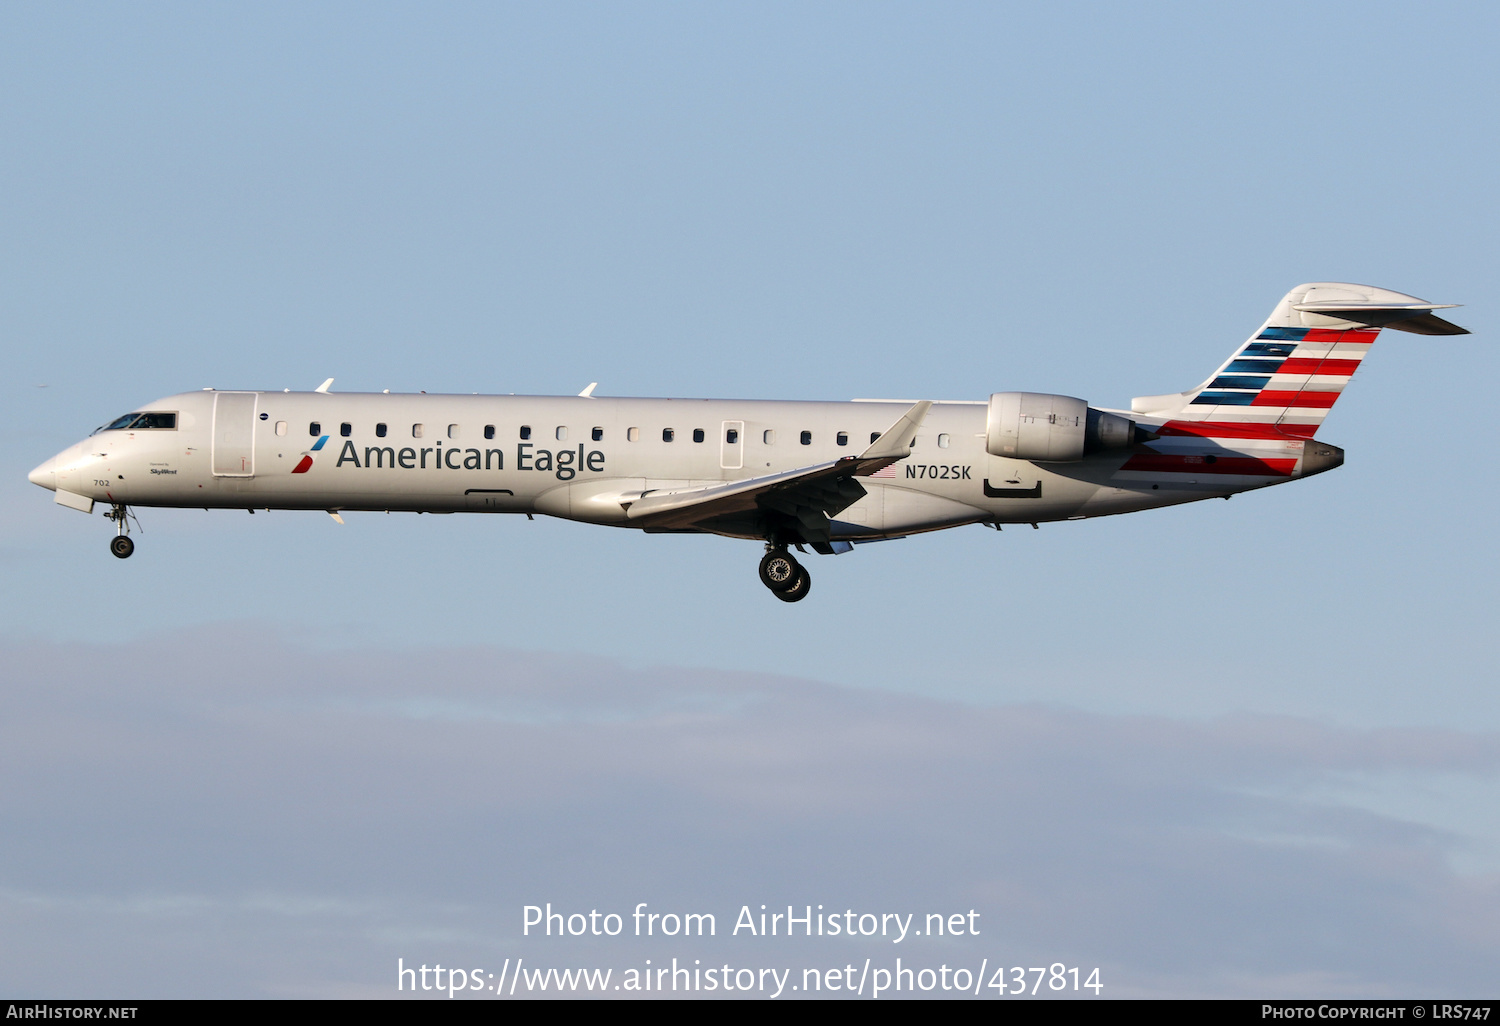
(587, 458)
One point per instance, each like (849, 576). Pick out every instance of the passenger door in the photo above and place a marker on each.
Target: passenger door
(234, 434)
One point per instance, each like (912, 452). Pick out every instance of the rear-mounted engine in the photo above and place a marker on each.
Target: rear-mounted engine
(1054, 428)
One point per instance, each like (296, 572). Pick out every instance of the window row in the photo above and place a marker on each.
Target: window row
(731, 435)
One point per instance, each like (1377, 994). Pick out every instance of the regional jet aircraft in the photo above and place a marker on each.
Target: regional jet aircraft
(793, 475)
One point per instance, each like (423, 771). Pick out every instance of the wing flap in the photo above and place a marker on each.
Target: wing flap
(716, 500)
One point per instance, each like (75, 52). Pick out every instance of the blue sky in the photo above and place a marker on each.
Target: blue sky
(807, 201)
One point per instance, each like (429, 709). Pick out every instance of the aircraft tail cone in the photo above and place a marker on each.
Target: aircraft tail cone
(1320, 456)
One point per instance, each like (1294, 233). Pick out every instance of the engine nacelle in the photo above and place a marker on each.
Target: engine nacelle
(1053, 428)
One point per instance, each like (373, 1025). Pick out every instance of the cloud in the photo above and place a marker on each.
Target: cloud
(230, 812)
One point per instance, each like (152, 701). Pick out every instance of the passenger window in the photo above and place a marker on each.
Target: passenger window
(281, 428)
(807, 438)
(842, 438)
(345, 430)
(315, 429)
(769, 437)
(597, 434)
(525, 432)
(452, 430)
(667, 434)
(732, 436)
(416, 430)
(697, 434)
(633, 434)
(942, 441)
(562, 434)
(379, 430)
(489, 431)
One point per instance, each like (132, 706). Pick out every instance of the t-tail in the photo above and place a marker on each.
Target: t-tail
(1283, 381)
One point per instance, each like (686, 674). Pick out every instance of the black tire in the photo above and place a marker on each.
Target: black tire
(778, 570)
(121, 546)
(801, 585)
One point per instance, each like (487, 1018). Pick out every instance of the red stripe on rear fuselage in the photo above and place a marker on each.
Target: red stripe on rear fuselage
(1246, 466)
(1235, 429)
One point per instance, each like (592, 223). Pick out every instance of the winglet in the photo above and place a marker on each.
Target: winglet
(324, 386)
(588, 393)
(895, 443)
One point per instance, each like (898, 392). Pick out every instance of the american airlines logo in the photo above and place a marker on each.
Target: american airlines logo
(305, 464)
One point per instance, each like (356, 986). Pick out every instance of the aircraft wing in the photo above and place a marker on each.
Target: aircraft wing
(808, 495)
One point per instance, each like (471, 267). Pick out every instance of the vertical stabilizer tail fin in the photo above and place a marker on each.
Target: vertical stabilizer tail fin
(1283, 381)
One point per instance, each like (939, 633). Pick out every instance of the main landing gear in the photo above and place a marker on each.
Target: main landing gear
(120, 545)
(787, 578)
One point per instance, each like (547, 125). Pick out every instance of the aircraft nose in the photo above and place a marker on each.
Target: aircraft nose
(45, 475)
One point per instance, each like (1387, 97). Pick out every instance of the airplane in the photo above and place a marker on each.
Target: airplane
(791, 474)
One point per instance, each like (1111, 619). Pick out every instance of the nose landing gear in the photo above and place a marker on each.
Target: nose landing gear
(787, 578)
(120, 545)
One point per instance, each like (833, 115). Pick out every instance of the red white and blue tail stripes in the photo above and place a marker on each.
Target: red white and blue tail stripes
(1281, 384)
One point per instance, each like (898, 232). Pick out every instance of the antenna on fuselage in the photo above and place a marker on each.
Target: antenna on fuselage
(324, 386)
(588, 393)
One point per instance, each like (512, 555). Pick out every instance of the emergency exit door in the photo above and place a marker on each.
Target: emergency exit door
(732, 445)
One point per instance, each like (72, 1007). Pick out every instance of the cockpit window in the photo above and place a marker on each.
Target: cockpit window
(142, 422)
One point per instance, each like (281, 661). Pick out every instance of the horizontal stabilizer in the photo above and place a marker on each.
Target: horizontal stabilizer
(1416, 318)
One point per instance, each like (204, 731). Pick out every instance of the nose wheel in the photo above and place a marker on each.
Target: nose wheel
(787, 579)
(120, 545)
